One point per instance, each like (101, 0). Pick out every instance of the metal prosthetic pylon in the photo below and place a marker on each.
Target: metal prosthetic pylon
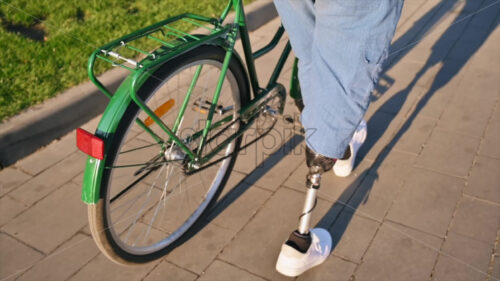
(318, 164)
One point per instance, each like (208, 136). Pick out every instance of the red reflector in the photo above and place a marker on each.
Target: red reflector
(89, 144)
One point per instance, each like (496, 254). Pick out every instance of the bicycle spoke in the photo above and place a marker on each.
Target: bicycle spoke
(151, 201)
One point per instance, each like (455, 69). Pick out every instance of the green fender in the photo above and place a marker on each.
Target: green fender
(106, 129)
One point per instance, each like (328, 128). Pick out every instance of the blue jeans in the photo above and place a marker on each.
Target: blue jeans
(341, 45)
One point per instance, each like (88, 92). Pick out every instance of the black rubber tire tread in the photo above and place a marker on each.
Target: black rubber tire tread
(97, 218)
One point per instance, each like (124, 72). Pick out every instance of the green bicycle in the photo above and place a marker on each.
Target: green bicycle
(169, 138)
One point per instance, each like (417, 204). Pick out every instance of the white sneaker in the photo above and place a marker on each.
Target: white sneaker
(343, 168)
(293, 263)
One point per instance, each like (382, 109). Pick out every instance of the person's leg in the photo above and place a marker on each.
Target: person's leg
(337, 75)
(350, 42)
(298, 17)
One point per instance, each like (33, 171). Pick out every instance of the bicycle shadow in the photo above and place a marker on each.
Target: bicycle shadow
(451, 51)
(292, 145)
(358, 192)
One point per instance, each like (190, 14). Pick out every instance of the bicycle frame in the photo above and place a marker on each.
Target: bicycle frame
(220, 35)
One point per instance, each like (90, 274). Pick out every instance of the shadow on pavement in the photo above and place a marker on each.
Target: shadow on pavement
(455, 47)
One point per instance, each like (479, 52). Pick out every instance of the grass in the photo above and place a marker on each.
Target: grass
(46, 43)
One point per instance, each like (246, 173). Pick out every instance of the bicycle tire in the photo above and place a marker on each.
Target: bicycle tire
(106, 227)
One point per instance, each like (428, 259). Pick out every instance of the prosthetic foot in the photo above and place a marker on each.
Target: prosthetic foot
(306, 248)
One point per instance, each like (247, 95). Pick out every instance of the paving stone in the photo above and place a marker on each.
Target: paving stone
(201, 249)
(395, 256)
(496, 267)
(393, 97)
(392, 166)
(490, 146)
(479, 83)
(462, 116)
(78, 179)
(221, 271)
(385, 181)
(496, 114)
(435, 30)
(448, 153)
(372, 199)
(279, 142)
(50, 179)
(333, 269)
(433, 104)
(449, 70)
(407, 13)
(414, 17)
(11, 178)
(235, 209)
(473, 7)
(101, 268)
(91, 125)
(9, 208)
(427, 202)
(405, 71)
(484, 181)
(425, 239)
(48, 156)
(15, 257)
(173, 272)
(52, 221)
(235, 179)
(487, 56)
(414, 134)
(252, 156)
(477, 219)
(269, 229)
(462, 258)
(381, 127)
(351, 235)
(469, 43)
(278, 167)
(65, 261)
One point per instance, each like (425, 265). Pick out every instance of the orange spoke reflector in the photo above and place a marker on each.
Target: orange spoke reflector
(200, 110)
(89, 144)
(160, 111)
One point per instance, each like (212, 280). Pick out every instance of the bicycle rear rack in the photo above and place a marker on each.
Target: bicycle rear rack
(166, 40)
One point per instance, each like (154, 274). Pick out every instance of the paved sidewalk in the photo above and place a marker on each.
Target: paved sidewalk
(423, 203)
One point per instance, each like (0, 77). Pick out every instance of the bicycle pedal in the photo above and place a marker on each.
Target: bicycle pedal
(203, 107)
(288, 120)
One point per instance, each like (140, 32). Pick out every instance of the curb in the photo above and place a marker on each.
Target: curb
(23, 134)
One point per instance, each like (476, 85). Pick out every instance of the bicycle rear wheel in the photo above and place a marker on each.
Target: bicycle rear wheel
(148, 200)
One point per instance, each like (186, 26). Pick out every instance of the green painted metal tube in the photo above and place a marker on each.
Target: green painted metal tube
(225, 143)
(158, 121)
(295, 92)
(279, 66)
(148, 130)
(271, 45)
(186, 99)
(163, 42)
(226, 11)
(91, 74)
(220, 82)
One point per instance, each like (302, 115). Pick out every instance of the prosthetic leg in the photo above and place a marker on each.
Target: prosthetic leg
(306, 248)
